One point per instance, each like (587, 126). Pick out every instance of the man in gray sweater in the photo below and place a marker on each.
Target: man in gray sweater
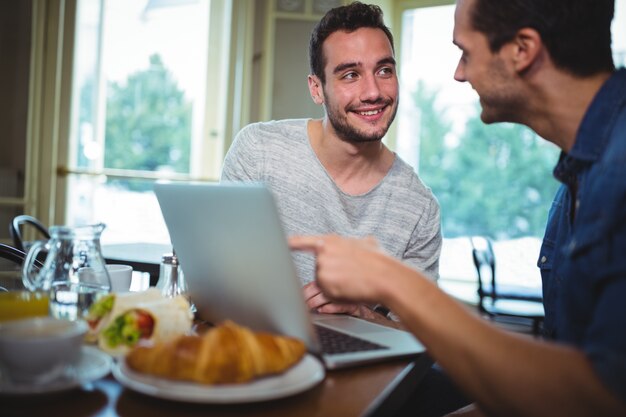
(335, 175)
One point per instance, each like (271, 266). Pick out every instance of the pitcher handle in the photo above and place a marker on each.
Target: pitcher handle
(33, 280)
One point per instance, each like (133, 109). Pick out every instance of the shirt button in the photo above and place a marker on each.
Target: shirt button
(543, 259)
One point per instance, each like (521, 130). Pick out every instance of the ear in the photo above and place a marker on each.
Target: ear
(316, 90)
(527, 47)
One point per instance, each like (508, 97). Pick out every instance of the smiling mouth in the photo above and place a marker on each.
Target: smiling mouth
(370, 112)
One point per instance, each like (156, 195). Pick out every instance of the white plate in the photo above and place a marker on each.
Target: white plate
(306, 374)
(93, 364)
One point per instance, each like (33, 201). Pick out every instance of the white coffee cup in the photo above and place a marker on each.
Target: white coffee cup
(121, 277)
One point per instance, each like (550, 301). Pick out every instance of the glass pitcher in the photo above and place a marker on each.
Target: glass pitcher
(74, 272)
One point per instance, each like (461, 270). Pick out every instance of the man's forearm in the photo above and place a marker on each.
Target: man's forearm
(505, 373)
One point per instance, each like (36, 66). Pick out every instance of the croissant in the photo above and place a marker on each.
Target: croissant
(227, 353)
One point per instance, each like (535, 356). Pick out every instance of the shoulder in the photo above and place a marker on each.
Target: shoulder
(616, 149)
(408, 195)
(273, 129)
(601, 212)
(612, 165)
(404, 176)
(267, 135)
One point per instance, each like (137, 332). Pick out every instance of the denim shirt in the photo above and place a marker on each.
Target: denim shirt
(583, 255)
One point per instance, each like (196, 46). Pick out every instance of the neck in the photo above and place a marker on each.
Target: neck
(559, 104)
(355, 167)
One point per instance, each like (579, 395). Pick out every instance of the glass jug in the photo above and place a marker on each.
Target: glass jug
(73, 272)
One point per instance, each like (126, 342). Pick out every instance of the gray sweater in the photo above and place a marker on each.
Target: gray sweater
(400, 211)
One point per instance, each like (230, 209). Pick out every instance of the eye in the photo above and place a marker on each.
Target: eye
(350, 75)
(386, 72)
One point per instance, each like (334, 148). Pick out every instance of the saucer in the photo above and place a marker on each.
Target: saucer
(93, 364)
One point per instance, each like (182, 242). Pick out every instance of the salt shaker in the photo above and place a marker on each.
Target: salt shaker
(171, 278)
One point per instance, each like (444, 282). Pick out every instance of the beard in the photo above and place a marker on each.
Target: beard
(501, 108)
(351, 134)
(500, 103)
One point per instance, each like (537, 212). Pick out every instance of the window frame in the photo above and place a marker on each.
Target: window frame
(50, 94)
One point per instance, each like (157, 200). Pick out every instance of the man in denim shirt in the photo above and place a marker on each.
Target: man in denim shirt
(583, 256)
(546, 64)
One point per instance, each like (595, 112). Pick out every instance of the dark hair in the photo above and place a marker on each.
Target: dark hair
(347, 18)
(577, 33)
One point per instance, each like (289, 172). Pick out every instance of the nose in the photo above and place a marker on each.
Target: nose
(459, 73)
(371, 89)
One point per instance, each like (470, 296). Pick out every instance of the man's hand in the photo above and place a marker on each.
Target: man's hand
(345, 270)
(318, 302)
(348, 276)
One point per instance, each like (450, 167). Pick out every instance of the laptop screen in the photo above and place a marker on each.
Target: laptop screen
(235, 256)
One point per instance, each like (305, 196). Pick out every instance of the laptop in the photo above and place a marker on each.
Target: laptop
(238, 266)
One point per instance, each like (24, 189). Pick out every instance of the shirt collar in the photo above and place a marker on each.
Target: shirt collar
(595, 128)
(597, 123)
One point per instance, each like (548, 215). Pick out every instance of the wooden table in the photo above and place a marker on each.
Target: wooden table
(373, 390)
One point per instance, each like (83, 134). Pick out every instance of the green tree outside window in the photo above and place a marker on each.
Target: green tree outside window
(495, 182)
(148, 122)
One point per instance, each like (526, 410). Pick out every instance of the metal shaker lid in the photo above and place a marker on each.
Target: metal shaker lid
(170, 258)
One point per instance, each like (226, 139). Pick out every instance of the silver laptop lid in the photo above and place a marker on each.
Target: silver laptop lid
(237, 264)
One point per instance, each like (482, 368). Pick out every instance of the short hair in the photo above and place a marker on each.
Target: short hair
(347, 18)
(577, 33)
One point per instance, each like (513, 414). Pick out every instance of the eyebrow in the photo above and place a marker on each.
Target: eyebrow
(347, 65)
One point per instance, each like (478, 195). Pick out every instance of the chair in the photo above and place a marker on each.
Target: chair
(15, 228)
(16, 257)
(12, 254)
(496, 304)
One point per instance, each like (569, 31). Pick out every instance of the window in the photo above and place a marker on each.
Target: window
(139, 110)
(619, 33)
(479, 173)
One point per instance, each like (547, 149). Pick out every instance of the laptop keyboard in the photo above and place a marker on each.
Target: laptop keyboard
(333, 341)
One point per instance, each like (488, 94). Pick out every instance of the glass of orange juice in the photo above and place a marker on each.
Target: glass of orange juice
(22, 304)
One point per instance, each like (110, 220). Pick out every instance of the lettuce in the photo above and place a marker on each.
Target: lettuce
(122, 331)
(101, 307)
